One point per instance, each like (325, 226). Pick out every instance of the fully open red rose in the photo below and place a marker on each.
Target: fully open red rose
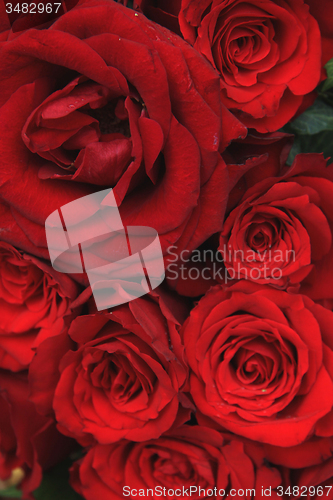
(261, 363)
(196, 457)
(282, 229)
(29, 442)
(34, 302)
(124, 379)
(268, 54)
(104, 97)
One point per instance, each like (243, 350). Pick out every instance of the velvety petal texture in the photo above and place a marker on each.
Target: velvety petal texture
(281, 231)
(268, 54)
(125, 378)
(190, 456)
(35, 304)
(105, 98)
(260, 363)
(218, 383)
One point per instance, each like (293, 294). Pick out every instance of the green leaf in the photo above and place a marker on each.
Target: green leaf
(328, 84)
(55, 484)
(318, 143)
(328, 97)
(317, 118)
(10, 493)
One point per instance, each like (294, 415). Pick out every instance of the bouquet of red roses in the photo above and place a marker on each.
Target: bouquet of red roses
(166, 249)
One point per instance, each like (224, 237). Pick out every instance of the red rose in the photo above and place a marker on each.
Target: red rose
(268, 54)
(261, 363)
(196, 457)
(282, 229)
(34, 300)
(124, 379)
(110, 99)
(29, 443)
